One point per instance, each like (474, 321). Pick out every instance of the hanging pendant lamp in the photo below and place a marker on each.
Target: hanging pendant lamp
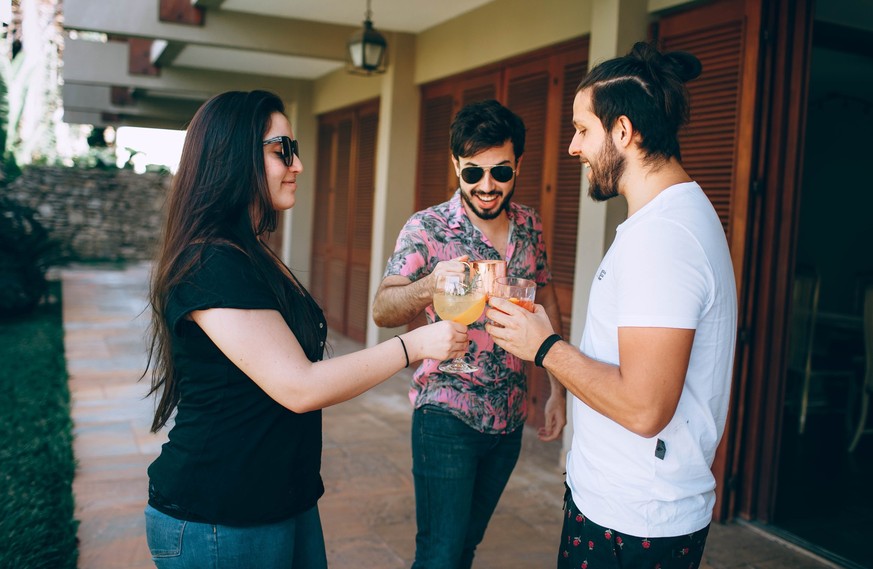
(367, 49)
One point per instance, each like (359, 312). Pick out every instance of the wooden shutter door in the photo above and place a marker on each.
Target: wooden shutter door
(717, 145)
(434, 158)
(527, 95)
(342, 229)
(539, 87)
(564, 223)
(337, 259)
(361, 216)
(715, 35)
(322, 215)
(480, 87)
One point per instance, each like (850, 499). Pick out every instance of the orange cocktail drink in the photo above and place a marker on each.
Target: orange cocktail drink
(516, 290)
(463, 309)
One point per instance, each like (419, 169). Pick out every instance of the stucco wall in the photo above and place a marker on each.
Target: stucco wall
(96, 215)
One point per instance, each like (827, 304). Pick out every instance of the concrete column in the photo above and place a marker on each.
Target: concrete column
(615, 26)
(396, 149)
(297, 223)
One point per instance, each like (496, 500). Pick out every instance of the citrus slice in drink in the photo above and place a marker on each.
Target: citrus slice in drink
(463, 309)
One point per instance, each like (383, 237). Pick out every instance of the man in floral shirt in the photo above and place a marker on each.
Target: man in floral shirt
(466, 428)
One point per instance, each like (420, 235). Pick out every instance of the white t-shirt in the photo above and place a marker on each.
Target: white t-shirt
(669, 267)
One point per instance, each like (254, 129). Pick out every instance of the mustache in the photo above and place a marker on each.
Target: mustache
(481, 193)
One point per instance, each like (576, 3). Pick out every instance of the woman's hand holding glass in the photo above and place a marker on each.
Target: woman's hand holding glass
(438, 341)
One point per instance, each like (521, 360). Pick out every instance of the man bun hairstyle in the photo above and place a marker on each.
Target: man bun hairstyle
(648, 87)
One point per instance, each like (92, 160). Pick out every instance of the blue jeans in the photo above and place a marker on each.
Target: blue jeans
(296, 543)
(459, 476)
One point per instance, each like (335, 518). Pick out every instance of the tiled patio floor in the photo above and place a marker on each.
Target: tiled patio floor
(368, 509)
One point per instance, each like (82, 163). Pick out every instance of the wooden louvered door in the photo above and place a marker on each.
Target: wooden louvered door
(527, 94)
(539, 87)
(361, 217)
(717, 145)
(541, 92)
(563, 211)
(343, 217)
(324, 182)
(439, 104)
(434, 163)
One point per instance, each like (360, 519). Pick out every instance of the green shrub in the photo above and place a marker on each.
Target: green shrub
(26, 252)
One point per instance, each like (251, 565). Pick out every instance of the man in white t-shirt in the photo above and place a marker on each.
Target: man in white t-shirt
(651, 378)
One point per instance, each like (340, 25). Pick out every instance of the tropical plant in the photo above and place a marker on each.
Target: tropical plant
(26, 252)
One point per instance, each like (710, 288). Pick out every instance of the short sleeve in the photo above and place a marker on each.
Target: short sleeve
(544, 273)
(664, 278)
(412, 254)
(223, 277)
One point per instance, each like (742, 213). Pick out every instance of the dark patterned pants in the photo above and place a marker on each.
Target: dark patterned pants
(586, 545)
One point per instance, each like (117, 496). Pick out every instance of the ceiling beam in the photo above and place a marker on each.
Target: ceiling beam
(99, 99)
(164, 53)
(107, 64)
(207, 3)
(138, 18)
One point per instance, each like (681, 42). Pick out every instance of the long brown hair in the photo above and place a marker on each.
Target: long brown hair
(219, 195)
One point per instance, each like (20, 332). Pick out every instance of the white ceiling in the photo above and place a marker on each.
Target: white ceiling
(259, 63)
(411, 16)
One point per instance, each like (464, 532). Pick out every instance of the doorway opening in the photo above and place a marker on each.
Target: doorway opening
(824, 499)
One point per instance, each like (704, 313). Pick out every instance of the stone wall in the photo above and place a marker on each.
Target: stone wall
(96, 215)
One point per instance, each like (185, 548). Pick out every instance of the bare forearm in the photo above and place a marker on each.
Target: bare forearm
(549, 301)
(399, 304)
(342, 378)
(601, 386)
(641, 395)
(261, 345)
(576, 371)
(339, 379)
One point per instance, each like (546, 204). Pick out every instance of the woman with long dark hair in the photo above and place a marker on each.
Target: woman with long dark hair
(237, 347)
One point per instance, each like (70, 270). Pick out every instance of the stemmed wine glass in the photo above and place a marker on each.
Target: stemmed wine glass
(461, 299)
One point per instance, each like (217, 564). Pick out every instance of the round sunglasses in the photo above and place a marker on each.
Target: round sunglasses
(501, 173)
(289, 148)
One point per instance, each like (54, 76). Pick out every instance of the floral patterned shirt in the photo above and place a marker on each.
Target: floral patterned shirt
(491, 400)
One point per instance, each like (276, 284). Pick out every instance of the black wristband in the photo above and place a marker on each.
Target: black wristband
(545, 347)
(405, 353)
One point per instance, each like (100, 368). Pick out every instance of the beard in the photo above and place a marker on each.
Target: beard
(492, 213)
(606, 173)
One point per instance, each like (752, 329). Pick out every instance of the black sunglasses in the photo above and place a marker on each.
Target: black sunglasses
(289, 148)
(472, 174)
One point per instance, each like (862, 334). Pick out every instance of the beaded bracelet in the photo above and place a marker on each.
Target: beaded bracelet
(545, 347)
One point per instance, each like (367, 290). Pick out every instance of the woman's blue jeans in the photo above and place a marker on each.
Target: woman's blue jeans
(296, 543)
(459, 474)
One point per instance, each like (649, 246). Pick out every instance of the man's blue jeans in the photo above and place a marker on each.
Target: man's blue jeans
(297, 543)
(459, 475)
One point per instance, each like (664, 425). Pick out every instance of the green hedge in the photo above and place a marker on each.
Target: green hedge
(37, 529)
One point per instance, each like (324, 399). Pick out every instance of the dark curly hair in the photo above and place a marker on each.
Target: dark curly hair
(483, 125)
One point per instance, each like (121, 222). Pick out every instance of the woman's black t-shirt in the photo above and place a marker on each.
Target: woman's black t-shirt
(234, 456)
